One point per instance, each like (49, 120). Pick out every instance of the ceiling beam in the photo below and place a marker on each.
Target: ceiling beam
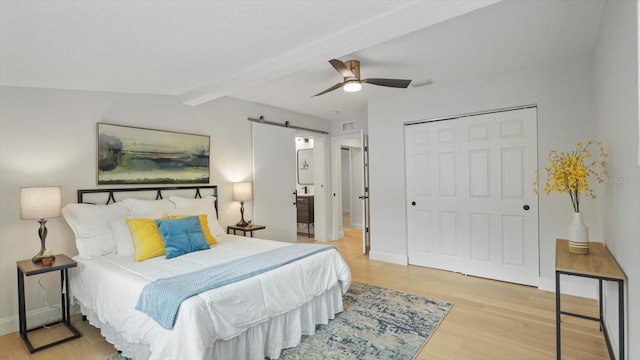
(408, 17)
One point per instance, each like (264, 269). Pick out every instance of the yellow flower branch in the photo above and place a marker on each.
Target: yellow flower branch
(569, 172)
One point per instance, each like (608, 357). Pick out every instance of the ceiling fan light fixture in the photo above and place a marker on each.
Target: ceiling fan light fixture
(350, 71)
(352, 86)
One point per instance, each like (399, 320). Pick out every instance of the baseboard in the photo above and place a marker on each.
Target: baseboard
(356, 226)
(387, 257)
(571, 285)
(34, 318)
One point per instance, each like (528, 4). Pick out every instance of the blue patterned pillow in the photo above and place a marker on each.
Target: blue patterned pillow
(182, 236)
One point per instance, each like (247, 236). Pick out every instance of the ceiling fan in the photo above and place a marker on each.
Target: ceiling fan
(350, 71)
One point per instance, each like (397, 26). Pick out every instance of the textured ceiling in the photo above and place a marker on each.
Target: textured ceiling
(276, 52)
(496, 39)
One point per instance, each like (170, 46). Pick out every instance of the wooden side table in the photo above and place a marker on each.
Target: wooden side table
(245, 229)
(62, 263)
(598, 264)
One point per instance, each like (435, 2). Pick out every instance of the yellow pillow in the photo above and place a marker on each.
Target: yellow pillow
(147, 241)
(204, 224)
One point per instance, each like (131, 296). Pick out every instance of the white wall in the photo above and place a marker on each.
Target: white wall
(345, 162)
(564, 94)
(47, 137)
(617, 117)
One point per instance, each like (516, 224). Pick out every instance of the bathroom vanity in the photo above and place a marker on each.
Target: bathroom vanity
(304, 203)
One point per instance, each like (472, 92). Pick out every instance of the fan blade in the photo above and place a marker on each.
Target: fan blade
(342, 69)
(336, 86)
(395, 83)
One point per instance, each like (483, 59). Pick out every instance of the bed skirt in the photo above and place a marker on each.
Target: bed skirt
(263, 340)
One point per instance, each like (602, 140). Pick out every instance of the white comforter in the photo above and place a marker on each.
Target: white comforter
(109, 286)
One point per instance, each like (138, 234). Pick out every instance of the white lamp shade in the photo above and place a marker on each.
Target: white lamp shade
(40, 202)
(242, 191)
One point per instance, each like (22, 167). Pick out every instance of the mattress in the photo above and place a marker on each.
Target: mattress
(250, 319)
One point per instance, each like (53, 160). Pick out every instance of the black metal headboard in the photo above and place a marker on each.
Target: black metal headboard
(198, 190)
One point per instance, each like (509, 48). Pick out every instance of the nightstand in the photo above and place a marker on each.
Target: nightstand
(62, 263)
(245, 229)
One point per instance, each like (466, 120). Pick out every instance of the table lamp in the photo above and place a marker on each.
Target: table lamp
(242, 192)
(40, 203)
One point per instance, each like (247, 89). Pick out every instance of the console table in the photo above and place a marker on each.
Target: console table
(598, 264)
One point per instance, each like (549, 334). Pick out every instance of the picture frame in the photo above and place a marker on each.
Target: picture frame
(134, 155)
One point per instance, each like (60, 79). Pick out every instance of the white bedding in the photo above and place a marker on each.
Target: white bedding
(108, 288)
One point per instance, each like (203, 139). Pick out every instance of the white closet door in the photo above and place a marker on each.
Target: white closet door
(469, 203)
(274, 181)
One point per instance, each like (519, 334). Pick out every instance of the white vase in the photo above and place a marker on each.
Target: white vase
(578, 235)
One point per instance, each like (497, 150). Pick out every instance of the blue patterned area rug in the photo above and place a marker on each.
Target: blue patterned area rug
(377, 323)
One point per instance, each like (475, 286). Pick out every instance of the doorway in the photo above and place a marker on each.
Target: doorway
(351, 179)
(305, 189)
(350, 201)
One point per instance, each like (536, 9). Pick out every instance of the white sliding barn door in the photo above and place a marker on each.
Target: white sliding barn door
(274, 181)
(470, 206)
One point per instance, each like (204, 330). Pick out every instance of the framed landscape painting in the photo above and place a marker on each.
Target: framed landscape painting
(132, 155)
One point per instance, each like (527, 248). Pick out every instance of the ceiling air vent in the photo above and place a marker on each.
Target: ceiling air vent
(348, 126)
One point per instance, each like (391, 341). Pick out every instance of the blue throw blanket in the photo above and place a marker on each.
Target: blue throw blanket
(161, 299)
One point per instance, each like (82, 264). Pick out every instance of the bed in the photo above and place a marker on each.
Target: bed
(253, 318)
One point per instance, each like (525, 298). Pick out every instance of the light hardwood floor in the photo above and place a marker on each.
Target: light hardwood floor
(489, 319)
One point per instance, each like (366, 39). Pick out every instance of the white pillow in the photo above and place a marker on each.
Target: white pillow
(91, 226)
(149, 209)
(124, 241)
(205, 205)
(182, 202)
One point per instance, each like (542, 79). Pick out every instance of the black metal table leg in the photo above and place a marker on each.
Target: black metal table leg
(621, 317)
(558, 347)
(21, 305)
(600, 302)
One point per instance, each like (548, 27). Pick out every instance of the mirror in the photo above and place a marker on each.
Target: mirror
(305, 167)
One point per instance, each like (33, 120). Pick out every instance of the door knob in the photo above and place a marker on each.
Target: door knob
(413, 203)
(526, 207)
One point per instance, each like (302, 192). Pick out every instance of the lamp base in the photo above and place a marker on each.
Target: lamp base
(242, 221)
(38, 258)
(42, 233)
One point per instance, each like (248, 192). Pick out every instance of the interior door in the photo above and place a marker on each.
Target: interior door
(274, 181)
(469, 206)
(365, 193)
